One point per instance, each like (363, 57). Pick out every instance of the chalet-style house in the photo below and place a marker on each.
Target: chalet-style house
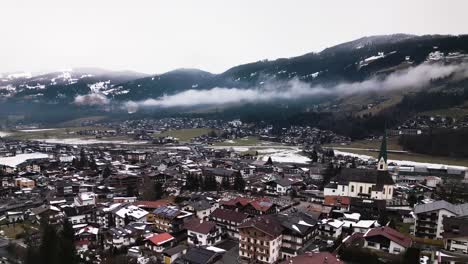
(229, 221)
(386, 239)
(203, 233)
(260, 239)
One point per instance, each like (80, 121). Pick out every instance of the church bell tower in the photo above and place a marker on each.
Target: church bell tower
(382, 160)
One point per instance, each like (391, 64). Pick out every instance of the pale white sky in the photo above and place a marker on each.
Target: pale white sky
(155, 36)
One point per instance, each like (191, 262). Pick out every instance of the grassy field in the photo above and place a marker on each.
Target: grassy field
(247, 141)
(382, 106)
(455, 112)
(79, 121)
(363, 146)
(11, 231)
(59, 133)
(185, 134)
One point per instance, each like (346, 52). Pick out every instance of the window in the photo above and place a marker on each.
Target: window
(370, 189)
(360, 189)
(352, 188)
(381, 166)
(384, 190)
(371, 244)
(389, 190)
(342, 188)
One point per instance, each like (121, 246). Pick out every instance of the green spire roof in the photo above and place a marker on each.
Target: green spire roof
(383, 147)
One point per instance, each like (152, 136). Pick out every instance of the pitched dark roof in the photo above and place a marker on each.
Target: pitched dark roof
(347, 175)
(200, 256)
(202, 228)
(229, 215)
(390, 234)
(455, 227)
(297, 222)
(266, 224)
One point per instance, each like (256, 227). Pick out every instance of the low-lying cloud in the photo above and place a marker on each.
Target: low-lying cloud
(92, 99)
(415, 77)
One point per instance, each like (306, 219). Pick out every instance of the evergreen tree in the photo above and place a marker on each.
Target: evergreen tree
(314, 156)
(225, 183)
(83, 159)
(158, 191)
(149, 189)
(48, 253)
(130, 190)
(92, 164)
(411, 255)
(239, 183)
(106, 172)
(67, 252)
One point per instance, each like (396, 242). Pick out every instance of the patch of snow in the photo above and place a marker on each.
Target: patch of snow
(17, 75)
(81, 141)
(403, 162)
(37, 130)
(4, 134)
(289, 155)
(195, 85)
(20, 158)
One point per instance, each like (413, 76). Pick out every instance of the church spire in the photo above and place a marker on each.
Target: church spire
(382, 159)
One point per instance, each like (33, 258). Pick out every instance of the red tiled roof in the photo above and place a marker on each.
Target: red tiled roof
(336, 201)
(261, 204)
(314, 258)
(391, 234)
(159, 239)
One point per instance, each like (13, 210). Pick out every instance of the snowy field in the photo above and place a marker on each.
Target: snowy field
(82, 141)
(287, 154)
(403, 162)
(37, 130)
(4, 134)
(20, 158)
(292, 155)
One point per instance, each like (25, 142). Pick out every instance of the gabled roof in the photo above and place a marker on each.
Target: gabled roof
(266, 224)
(229, 215)
(458, 209)
(347, 175)
(200, 256)
(389, 233)
(203, 228)
(159, 239)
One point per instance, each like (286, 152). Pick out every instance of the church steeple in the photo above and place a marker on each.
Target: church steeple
(382, 159)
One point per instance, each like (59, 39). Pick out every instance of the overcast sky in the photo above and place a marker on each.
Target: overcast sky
(154, 36)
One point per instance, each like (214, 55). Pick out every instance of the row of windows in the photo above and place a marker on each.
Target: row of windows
(361, 189)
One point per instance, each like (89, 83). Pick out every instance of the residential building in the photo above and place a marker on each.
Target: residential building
(429, 217)
(203, 233)
(229, 221)
(386, 239)
(260, 239)
(455, 234)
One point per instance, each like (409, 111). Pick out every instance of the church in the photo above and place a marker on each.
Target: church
(372, 184)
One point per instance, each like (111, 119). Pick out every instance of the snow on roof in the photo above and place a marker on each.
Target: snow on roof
(353, 216)
(333, 222)
(88, 229)
(20, 158)
(133, 211)
(302, 222)
(216, 249)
